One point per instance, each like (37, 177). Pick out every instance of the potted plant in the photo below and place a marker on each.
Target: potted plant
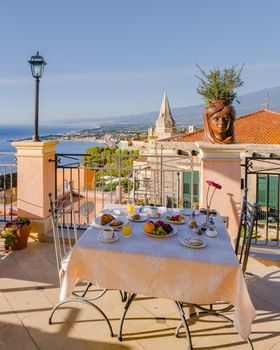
(217, 88)
(16, 233)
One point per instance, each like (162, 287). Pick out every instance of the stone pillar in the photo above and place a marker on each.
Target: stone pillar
(36, 178)
(222, 164)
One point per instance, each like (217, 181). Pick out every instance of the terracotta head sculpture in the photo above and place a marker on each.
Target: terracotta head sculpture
(217, 88)
(219, 120)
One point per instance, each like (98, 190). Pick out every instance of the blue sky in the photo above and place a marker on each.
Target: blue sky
(117, 57)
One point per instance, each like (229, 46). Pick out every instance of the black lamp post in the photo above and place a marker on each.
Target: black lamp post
(37, 64)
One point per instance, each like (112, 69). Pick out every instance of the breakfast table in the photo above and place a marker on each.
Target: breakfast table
(163, 267)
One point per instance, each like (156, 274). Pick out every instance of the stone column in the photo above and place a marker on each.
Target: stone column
(36, 178)
(222, 164)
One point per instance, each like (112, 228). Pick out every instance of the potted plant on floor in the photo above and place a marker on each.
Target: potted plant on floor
(217, 88)
(16, 233)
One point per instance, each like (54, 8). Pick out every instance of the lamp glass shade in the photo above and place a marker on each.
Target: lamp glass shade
(37, 64)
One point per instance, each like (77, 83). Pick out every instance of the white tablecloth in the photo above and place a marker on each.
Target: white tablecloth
(163, 267)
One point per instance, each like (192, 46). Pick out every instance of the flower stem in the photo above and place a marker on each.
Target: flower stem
(207, 194)
(212, 197)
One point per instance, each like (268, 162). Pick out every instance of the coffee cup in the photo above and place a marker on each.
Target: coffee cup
(107, 233)
(153, 211)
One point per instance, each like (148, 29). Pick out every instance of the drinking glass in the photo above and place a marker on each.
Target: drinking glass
(127, 230)
(130, 208)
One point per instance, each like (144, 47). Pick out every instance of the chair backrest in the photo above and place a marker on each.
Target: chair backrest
(247, 222)
(64, 227)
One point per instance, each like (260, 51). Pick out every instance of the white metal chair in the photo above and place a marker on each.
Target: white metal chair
(65, 236)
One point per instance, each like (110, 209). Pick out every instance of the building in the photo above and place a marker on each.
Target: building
(165, 124)
(257, 133)
(261, 127)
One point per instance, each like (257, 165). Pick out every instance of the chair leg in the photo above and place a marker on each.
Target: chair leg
(85, 301)
(129, 300)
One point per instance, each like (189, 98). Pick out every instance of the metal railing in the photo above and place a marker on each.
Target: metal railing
(8, 186)
(120, 178)
(262, 178)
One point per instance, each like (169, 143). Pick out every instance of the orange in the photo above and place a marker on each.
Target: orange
(149, 227)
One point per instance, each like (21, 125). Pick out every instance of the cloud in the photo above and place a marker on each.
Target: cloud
(115, 76)
(14, 81)
(262, 66)
(102, 77)
(120, 76)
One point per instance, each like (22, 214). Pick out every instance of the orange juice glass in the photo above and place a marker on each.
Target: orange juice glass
(127, 231)
(130, 208)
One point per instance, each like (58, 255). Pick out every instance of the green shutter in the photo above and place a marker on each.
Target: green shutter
(187, 187)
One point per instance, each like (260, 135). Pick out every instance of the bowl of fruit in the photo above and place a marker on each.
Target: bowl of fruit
(159, 229)
(175, 219)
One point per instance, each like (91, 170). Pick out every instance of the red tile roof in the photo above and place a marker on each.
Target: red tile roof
(261, 127)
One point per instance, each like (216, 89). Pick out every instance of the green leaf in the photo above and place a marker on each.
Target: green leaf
(219, 85)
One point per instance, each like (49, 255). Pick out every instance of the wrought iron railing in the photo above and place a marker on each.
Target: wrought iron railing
(119, 178)
(262, 178)
(8, 186)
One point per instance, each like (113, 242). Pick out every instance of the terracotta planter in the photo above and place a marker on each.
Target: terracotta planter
(219, 117)
(23, 239)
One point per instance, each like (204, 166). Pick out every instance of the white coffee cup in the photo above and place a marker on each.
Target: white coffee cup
(107, 233)
(153, 211)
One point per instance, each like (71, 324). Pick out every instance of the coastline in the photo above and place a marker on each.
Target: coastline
(70, 139)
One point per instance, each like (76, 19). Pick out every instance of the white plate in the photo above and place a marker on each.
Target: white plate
(114, 212)
(121, 218)
(185, 243)
(143, 217)
(114, 239)
(172, 233)
(186, 212)
(174, 222)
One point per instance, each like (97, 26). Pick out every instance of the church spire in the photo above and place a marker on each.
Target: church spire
(165, 124)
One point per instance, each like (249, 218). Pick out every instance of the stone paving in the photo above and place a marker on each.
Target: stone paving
(29, 289)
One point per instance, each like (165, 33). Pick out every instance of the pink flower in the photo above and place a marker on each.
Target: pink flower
(211, 184)
(214, 184)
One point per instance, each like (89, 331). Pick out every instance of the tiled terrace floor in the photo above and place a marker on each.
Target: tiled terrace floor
(29, 289)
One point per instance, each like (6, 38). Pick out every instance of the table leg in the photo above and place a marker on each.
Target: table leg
(129, 300)
(185, 324)
(199, 314)
(123, 296)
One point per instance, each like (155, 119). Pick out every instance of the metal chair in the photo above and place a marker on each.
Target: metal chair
(65, 236)
(248, 217)
(246, 226)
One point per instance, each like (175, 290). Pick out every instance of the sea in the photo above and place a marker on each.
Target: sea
(18, 132)
(12, 133)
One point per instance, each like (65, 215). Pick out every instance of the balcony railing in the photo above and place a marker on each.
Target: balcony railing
(8, 186)
(119, 178)
(262, 178)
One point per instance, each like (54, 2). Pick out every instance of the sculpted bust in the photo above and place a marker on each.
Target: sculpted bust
(219, 120)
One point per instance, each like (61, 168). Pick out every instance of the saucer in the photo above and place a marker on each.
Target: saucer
(114, 239)
(186, 244)
(142, 218)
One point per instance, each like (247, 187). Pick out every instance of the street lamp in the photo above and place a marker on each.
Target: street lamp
(37, 64)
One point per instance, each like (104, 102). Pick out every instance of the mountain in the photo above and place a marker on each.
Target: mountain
(262, 99)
